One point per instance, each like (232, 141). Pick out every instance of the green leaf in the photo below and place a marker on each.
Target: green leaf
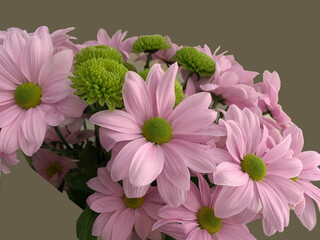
(79, 182)
(78, 197)
(168, 238)
(88, 160)
(85, 223)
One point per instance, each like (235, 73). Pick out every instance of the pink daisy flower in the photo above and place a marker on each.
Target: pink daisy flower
(229, 82)
(119, 213)
(51, 166)
(115, 41)
(34, 89)
(7, 159)
(163, 142)
(196, 219)
(250, 172)
(305, 210)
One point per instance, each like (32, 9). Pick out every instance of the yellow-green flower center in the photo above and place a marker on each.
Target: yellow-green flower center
(53, 168)
(294, 178)
(208, 221)
(254, 166)
(28, 95)
(157, 130)
(133, 203)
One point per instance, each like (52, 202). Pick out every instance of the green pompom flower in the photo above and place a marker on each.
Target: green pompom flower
(150, 43)
(195, 61)
(100, 80)
(177, 86)
(100, 51)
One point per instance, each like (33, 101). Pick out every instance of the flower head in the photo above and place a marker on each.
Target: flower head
(196, 218)
(116, 41)
(250, 172)
(51, 166)
(162, 142)
(120, 213)
(35, 90)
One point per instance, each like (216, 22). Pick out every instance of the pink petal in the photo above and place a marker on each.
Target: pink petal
(111, 186)
(57, 65)
(8, 114)
(170, 193)
(220, 155)
(107, 230)
(61, 90)
(96, 185)
(235, 232)
(274, 207)
(288, 167)
(9, 141)
(194, 156)
(197, 101)
(107, 204)
(34, 126)
(99, 223)
(72, 106)
(152, 208)
(233, 200)
(204, 190)
(10, 74)
(116, 120)
(122, 162)
(175, 168)
(33, 56)
(137, 98)
(278, 151)
(123, 225)
(53, 116)
(310, 190)
(193, 120)
(153, 79)
(103, 37)
(309, 217)
(14, 44)
(236, 140)
(297, 138)
(193, 199)
(178, 213)
(230, 174)
(146, 165)
(268, 229)
(165, 92)
(132, 191)
(142, 224)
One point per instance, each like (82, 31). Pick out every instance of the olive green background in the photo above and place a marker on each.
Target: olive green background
(272, 35)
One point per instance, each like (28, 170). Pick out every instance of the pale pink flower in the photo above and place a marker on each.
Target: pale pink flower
(119, 214)
(60, 38)
(191, 220)
(35, 90)
(250, 172)
(162, 142)
(305, 210)
(268, 100)
(7, 159)
(116, 41)
(229, 81)
(51, 166)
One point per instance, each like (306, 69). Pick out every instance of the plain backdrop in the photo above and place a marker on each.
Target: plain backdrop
(273, 35)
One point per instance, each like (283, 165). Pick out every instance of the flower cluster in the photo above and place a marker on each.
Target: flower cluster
(190, 147)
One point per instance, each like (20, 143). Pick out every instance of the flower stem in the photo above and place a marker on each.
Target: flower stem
(62, 138)
(149, 58)
(185, 83)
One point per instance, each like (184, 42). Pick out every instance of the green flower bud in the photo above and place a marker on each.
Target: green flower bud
(150, 43)
(100, 80)
(195, 61)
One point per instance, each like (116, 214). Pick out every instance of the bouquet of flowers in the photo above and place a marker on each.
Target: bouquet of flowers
(190, 146)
